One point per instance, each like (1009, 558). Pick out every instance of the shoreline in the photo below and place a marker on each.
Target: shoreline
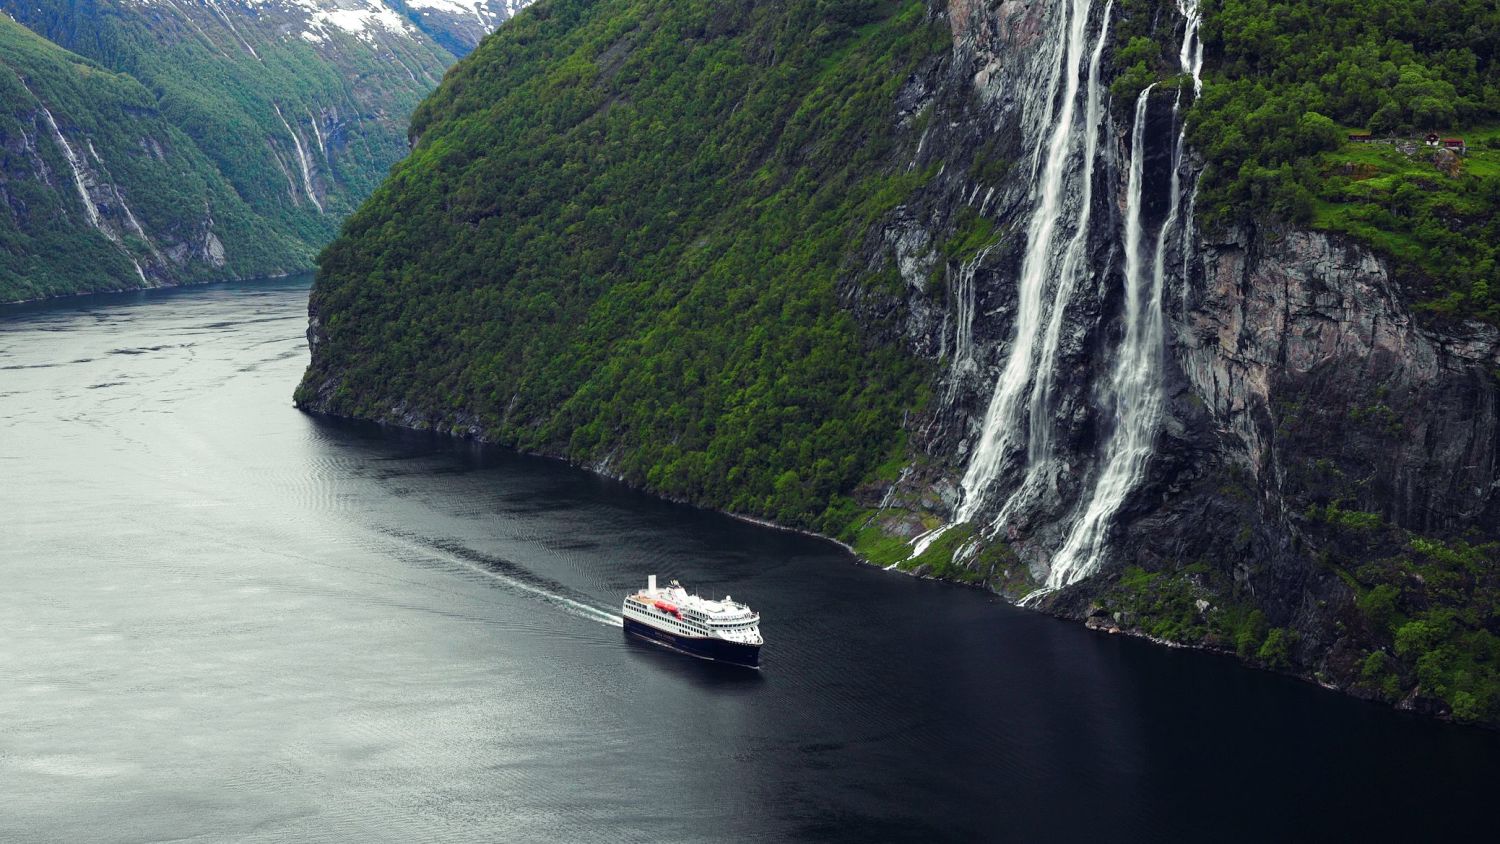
(60, 297)
(1404, 707)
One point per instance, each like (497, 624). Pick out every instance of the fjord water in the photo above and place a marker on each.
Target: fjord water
(225, 620)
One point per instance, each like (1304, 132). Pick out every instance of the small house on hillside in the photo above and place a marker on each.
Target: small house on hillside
(1456, 144)
(1362, 139)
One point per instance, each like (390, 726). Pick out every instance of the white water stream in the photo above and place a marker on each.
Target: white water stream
(1018, 419)
(307, 184)
(1135, 384)
(1003, 420)
(1136, 394)
(1074, 268)
(317, 132)
(74, 165)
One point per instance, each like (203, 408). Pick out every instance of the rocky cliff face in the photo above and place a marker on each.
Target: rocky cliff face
(1308, 421)
(1243, 440)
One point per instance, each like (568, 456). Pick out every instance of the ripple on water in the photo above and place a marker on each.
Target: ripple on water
(225, 620)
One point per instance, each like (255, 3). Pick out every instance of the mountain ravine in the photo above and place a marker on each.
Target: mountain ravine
(932, 278)
(157, 142)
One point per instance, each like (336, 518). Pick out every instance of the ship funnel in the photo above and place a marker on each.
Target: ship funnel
(651, 583)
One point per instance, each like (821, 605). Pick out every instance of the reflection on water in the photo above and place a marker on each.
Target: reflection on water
(227, 620)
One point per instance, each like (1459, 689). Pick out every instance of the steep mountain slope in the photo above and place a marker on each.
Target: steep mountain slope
(95, 183)
(743, 178)
(298, 107)
(933, 278)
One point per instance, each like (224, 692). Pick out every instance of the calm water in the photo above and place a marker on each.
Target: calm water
(225, 620)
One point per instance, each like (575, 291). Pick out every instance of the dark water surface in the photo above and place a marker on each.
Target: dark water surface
(221, 619)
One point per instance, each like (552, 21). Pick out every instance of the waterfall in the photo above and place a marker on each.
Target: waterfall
(963, 332)
(307, 184)
(1073, 269)
(130, 219)
(317, 132)
(1190, 57)
(1003, 418)
(229, 23)
(1017, 424)
(1135, 383)
(1136, 394)
(75, 165)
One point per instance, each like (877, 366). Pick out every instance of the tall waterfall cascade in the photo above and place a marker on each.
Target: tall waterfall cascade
(307, 184)
(1014, 460)
(81, 185)
(1058, 160)
(75, 166)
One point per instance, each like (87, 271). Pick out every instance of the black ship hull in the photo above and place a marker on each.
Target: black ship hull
(714, 649)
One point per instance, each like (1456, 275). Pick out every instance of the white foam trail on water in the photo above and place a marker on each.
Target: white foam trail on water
(568, 605)
(1002, 420)
(578, 608)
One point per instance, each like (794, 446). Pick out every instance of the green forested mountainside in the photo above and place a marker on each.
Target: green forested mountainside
(46, 243)
(277, 125)
(223, 87)
(1288, 82)
(618, 238)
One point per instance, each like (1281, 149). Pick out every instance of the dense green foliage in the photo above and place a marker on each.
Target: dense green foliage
(1197, 605)
(619, 238)
(1433, 611)
(46, 244)
(1287, 82)
(181, 106)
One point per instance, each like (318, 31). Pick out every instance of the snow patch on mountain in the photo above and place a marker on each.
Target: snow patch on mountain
(363, 23)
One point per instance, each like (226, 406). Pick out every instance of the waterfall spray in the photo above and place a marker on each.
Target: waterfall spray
(1003, 418)
(1074, 269)
(1136, 394)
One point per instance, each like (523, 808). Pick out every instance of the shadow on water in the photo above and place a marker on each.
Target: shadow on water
(702, 673)
(246, 291)
(377, 634)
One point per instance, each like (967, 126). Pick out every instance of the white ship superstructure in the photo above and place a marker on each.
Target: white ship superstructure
(713, 629)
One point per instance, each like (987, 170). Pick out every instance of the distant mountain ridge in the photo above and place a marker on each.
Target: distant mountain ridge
(156, 142)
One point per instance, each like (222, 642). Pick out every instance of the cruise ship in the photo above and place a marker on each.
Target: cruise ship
(720, 630)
